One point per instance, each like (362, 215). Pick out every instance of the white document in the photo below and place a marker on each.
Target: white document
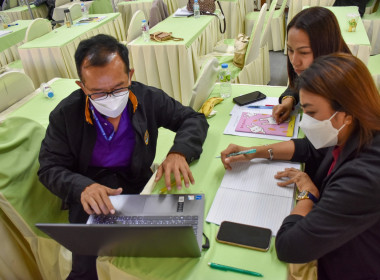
(249, 195)
(182, 12)
(5, 32)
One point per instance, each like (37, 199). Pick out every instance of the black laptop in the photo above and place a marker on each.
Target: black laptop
(144, 226)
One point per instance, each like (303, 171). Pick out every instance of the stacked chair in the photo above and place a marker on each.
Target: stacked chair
(276, 39)
(252, 71)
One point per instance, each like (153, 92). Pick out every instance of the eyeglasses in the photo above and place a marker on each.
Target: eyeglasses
(103, 95)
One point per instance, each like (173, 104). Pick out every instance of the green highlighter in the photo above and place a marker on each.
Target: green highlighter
(234, 269)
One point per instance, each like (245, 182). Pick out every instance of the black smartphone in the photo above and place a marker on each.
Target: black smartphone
(249, 98)
(246, 236)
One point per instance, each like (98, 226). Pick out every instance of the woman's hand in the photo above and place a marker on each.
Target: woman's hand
(232, 148)
(282, 111)
(301, 179)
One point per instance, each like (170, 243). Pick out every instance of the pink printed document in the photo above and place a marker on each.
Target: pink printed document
(264, 124)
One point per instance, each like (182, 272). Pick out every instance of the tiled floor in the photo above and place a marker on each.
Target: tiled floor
(278, 70)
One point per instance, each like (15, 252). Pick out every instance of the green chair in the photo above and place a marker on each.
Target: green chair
(75, 11)
(101, 7)
(14, 86)
(36, 28)
(25, 202)
(134, 29)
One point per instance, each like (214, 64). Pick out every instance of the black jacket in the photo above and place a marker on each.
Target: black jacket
(342, 231)
(290, 92)
(67, 148)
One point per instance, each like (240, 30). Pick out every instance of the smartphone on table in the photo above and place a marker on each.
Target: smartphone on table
(246, 236)
(249, 98)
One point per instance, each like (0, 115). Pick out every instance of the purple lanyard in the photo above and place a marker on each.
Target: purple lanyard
(100, 126)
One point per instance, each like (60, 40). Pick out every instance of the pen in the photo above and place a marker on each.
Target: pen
(261, 107)
(172, 184)
(246, 152)
(234, 269)
(9, 25)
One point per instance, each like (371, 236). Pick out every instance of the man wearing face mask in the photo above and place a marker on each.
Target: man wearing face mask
(336, 220)
(101, 139)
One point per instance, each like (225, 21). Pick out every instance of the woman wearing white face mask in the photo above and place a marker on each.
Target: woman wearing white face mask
(337, 217)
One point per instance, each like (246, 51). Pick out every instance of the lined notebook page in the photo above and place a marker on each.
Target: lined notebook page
(249, 194)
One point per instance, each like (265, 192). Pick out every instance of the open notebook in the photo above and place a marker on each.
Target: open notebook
(265, 124)
(249, 195)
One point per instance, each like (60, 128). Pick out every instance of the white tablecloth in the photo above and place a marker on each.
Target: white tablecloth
(173, 66)
(234, 12)
(23, 12)
(358, 41)
(372, 27)
(52, 55)
(128, 8)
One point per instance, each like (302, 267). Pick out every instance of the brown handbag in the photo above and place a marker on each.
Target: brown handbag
(161, 36)
(241, 44)
(207, 7)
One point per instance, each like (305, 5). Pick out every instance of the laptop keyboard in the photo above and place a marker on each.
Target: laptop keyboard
(148, 220)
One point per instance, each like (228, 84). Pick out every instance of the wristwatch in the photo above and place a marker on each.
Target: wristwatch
(306, 195)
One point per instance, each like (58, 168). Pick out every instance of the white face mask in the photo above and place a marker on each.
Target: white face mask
(112, 106)
(320, 133)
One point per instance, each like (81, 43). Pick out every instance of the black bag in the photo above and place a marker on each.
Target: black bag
(207, 7)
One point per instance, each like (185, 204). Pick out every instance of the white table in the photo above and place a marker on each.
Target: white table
(9, 43)
(52, 55)
(173, 66)
(358, 41)
(22, 12)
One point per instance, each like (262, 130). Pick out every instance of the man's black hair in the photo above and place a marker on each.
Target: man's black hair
(97, 50)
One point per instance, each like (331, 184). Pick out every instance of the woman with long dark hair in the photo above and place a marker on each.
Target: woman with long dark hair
(336, 220)
(311, 33)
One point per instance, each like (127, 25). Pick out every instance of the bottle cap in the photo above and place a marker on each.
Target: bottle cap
(224, 65)
(50, 94)
(143, 20)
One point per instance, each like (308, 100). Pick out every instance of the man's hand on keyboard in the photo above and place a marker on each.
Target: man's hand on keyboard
(175, 163)
(95, 199)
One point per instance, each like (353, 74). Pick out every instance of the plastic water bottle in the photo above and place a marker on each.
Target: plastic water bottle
(225, 81)
(197, 13)
(47, 91)
(145, 30)
(84, 11)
